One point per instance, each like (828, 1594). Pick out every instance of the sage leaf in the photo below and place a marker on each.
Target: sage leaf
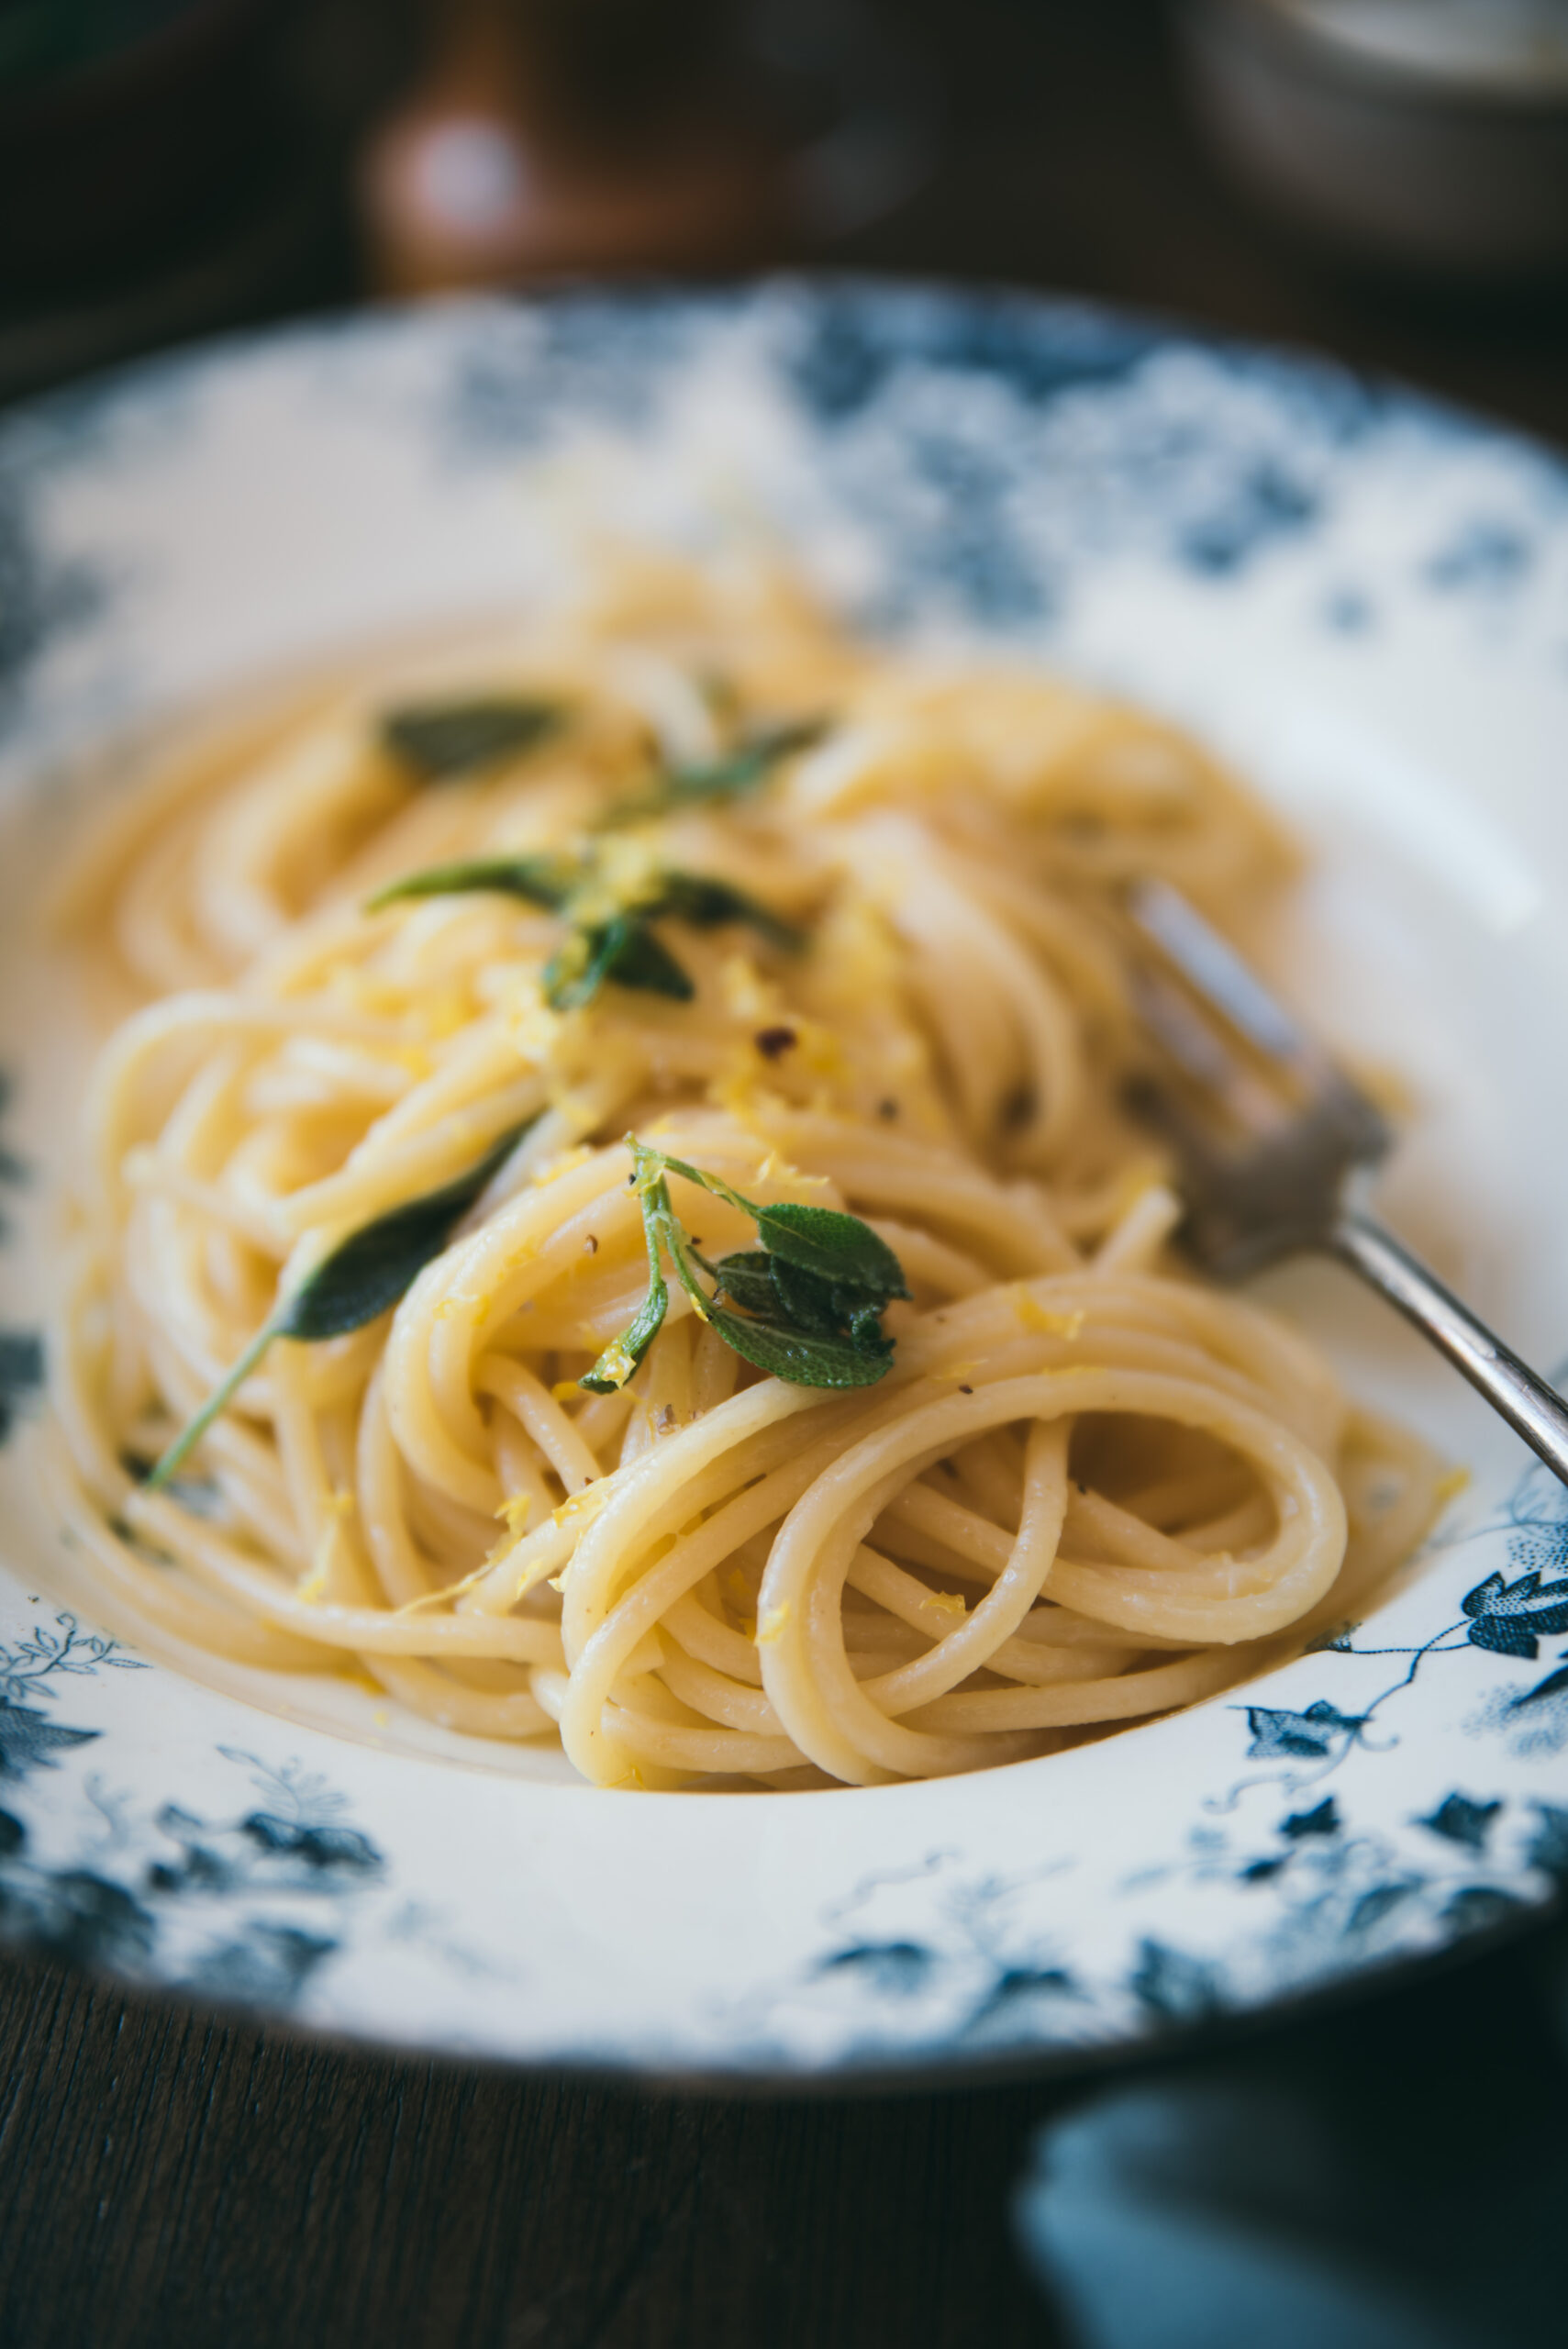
(544, 880)
(636, 958)
(707, 904)
(838, 1248)
(803, 1299)
(363, 1276)
(792, 1356)
(728, 777)
(374, 1267)
(623, 950)
(828, 1310)
(747, 1280)
(436, 740)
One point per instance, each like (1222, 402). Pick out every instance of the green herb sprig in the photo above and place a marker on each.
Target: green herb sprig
(437, 741)
(362, 1276)
(605, 942)
(730, 776)
(805, 1307)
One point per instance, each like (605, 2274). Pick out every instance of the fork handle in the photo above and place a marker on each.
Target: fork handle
(1512, 1388)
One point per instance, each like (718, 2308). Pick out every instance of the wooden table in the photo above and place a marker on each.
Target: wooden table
(167, 2178)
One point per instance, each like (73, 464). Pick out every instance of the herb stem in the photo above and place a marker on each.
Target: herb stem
(192, 1433)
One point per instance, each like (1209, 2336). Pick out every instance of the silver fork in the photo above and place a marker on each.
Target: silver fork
(1268, 1131)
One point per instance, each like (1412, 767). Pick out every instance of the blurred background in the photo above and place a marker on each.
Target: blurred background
(1388, 178)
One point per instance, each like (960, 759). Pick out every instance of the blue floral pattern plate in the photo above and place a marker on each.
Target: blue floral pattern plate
(1359, 597)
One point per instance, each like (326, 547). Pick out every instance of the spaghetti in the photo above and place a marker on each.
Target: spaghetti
(824, 932)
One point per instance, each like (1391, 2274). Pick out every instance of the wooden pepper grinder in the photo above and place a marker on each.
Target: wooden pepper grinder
(554, 137)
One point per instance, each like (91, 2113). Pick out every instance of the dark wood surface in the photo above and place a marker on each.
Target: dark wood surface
(167, 2178)
(172, 2181)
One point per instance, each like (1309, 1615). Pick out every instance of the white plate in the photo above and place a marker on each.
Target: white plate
(1361, 599)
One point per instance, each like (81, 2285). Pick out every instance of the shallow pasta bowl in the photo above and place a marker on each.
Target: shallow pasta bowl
(1356, 596)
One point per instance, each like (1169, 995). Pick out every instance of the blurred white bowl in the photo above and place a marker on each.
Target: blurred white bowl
(1428, 133)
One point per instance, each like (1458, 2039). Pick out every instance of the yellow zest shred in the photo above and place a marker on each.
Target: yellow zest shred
(1035, 1316)
(584, 1505)
(771, 1626)
(554, 1168)
(452, 1589)
(615, 1363)
(774, 1169)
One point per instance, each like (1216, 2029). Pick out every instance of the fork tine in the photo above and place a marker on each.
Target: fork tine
(1198, 1046)
(1222, 992)
(1217, 974)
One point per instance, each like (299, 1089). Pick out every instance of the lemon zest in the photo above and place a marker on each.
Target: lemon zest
(585, 1505)
(564, 1164)
(771, 1626)
(774, 1169)
(452, 1589)
(1037, 1317)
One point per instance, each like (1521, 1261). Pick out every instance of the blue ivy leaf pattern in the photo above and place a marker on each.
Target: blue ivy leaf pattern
(30, 1740)
(268, 1968)
(21, 1374)
(1548, 1847)
(1485, 556)
(76, 1915)
(1323, 1820)
(1460, 1821)
(898, 1969)
(1299, 1737)
(1511, 1618)
(321, 1848)
(1017, 1987)
(1176, 1985)
(1477, 1908)
(1552, 1686)
(1371, 1909)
